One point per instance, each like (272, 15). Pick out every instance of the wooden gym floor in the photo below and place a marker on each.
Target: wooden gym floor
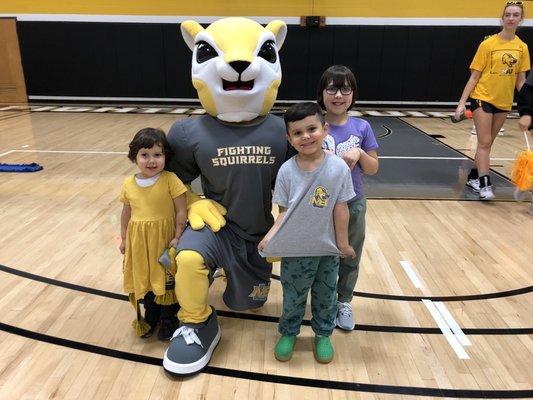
(443, 303)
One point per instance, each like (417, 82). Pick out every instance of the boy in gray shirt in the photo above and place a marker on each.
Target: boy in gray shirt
(311, 231)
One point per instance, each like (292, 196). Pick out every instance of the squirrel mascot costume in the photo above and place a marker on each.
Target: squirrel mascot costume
(236, 150)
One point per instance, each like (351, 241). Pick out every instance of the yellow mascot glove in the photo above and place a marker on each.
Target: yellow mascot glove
(204, 211)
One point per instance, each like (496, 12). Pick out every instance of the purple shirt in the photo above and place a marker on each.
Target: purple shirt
(356, 132)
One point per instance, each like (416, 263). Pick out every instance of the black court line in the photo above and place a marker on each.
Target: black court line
(388, 131)
(455, 150)
(484, 296)
(271, 378)
(268, 318)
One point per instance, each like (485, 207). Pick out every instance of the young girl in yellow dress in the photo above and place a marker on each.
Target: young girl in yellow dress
(153, 218)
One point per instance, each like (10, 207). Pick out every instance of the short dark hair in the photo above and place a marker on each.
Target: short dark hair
(337, 75)
(299, 111)
(146, 138)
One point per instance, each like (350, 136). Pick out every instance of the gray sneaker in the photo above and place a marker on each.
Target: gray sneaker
(191, 348)
(345, 316)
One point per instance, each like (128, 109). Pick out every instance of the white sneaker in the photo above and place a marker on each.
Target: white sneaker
(345, 316)
(473, 184)
(486, 193)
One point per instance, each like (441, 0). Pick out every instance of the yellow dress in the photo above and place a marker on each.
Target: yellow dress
(150, 229)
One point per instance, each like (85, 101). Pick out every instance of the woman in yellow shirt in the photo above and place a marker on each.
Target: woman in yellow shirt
(500, 65)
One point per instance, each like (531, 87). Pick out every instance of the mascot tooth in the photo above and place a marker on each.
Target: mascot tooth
(236, 150)
(236, 73)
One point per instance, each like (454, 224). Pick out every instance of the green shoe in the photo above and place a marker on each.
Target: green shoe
(323, 349)
(284, 348)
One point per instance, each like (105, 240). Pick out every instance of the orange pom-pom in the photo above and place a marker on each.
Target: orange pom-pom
(468, 113)
(522, 174)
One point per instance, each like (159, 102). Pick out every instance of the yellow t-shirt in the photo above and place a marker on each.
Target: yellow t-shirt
(499, 61)
(150, 229)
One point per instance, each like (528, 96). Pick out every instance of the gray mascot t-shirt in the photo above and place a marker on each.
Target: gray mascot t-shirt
(309, 196)
(237, 163)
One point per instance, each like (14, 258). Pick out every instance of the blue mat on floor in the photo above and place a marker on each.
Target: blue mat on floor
(20, 167)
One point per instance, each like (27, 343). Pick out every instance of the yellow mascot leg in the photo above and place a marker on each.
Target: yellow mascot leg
(192, 287)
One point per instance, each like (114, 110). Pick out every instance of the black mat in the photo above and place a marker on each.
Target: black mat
(422, 178)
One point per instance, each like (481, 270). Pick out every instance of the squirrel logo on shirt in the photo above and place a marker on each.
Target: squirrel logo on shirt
(510, 61)
(320, 197)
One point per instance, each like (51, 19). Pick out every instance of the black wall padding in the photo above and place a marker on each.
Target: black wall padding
(391, 63)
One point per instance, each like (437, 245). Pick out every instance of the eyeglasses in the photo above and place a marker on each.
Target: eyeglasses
(514, 3)
(345, 90)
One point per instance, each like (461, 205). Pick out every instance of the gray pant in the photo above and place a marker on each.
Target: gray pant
(298, 275)
(349, 267)
(247, 273)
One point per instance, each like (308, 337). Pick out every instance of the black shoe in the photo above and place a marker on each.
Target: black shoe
(167, 329)
(152, 313)
(150, 332)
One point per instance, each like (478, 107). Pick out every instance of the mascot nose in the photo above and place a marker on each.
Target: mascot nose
(239, 66)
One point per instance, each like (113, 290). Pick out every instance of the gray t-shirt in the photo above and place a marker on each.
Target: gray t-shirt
(237, 163)
(309, 196)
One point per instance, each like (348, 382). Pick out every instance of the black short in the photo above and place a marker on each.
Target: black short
(487, 107)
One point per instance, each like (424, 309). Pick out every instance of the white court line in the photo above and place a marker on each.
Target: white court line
(416, 114)
(68, 152)
(14, 108)
(46, 108)
(423, 158)
(394, 113)
(374, 113)
(198, 111)
(114, 109)
(440, 114)
(459, 334)
(179, 111)
(72, 109)
(406, 265)
(6, 153)
(122, 152)
(445, 329)
(151, 110)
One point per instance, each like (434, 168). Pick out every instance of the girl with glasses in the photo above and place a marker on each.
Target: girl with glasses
(353, 140)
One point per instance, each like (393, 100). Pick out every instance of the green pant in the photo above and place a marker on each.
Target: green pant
(298, 275)
(349, 267)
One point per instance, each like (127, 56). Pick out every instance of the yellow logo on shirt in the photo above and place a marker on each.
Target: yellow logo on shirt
(509, 60)
(320, 197)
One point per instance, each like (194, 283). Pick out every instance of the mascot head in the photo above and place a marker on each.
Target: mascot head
(235, 66)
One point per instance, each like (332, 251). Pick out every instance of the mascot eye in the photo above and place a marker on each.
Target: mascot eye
(268, 52)
(205, 52)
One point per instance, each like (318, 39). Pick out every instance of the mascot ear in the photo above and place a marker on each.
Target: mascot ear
(279, 29)
(189, 30)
